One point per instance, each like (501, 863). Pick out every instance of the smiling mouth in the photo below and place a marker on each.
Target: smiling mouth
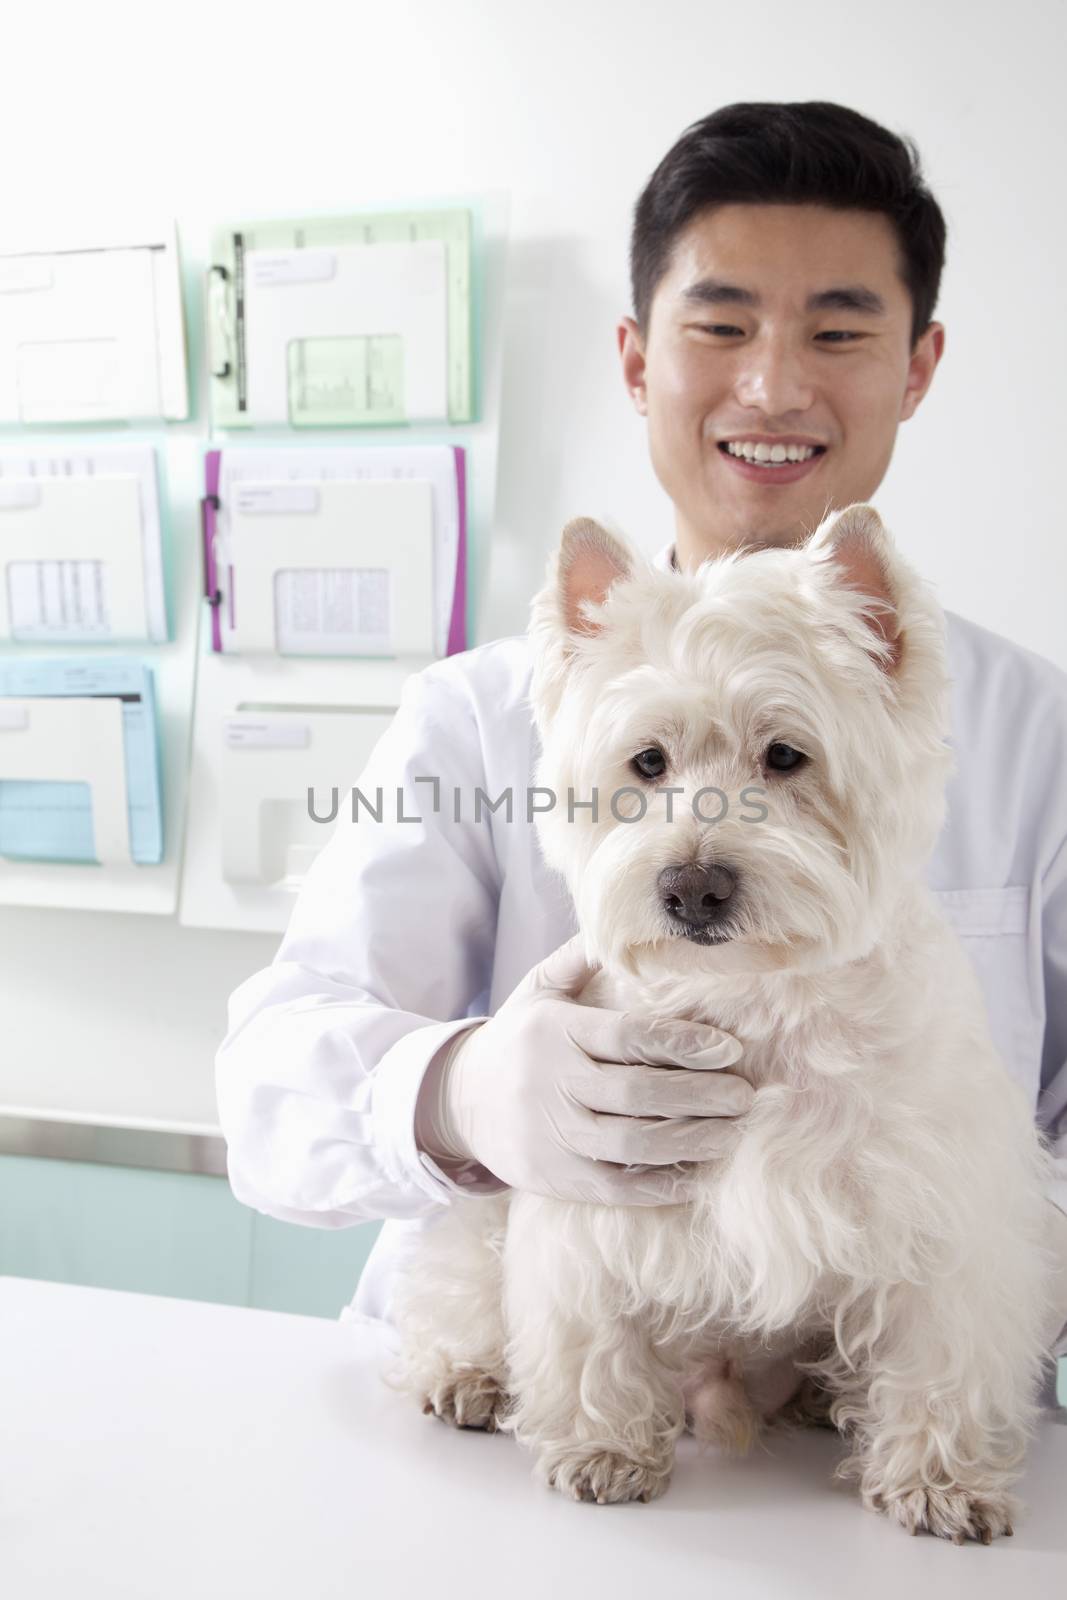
(770, 469)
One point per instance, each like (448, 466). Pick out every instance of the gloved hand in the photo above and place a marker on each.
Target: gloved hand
(548, 1093)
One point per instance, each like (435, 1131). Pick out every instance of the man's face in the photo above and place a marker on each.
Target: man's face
(773, 364)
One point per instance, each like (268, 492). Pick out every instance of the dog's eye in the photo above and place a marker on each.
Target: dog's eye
(783, 758)
(650, 763)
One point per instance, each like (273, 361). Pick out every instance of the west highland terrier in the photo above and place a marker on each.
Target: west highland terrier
(875, 1233)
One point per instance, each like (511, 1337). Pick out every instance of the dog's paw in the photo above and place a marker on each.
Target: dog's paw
(955, 1514)
(469, 1400)
(606, 1476)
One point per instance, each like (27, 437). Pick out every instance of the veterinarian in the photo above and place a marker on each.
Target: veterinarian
(416, 1036)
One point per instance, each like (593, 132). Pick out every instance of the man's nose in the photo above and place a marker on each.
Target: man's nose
(775, 379)
(696, 894)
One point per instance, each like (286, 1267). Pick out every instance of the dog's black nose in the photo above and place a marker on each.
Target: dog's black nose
(696, 895)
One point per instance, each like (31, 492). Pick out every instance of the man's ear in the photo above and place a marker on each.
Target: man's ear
(855, 541)
(632, 356)
(589, 560)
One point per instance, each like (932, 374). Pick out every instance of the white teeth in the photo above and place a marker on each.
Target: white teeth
(770, 454)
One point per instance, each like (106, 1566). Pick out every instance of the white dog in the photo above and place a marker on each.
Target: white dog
(878, 1226)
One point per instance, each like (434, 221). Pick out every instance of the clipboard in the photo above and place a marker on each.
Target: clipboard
(355, 321)
(313, 531)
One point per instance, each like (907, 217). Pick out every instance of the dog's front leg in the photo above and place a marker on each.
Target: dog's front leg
(593, 1397)
(943, 1423)
(447, 1308)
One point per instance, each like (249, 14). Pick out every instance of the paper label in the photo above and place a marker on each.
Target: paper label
(259, 499)
(266, 733)
(291, 266)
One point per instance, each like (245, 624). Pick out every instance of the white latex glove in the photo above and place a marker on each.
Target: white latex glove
(562, 1099)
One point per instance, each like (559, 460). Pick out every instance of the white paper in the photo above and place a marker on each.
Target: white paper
(343, 612)
(249, 470)
(76, 739)
(375, 289)
(46, 601)
(58, 599)
(263, 786)
(82, 349)
(91, 335)
(338, 569)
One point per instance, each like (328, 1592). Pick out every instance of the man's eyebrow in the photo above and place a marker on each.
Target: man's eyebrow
(854, 297)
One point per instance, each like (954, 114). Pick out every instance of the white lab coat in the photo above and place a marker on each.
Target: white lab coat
(403, 931)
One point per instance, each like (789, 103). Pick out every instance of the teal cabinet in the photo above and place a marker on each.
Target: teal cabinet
(169, 1233)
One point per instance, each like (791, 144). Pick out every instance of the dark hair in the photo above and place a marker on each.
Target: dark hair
(800, 152)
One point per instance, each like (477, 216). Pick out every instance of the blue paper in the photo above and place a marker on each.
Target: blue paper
(49, 821)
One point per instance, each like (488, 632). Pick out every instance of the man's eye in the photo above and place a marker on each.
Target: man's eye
(650, 763)
(783, 758)
(836, 335)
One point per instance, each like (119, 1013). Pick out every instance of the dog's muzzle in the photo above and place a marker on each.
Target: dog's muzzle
(697, 900)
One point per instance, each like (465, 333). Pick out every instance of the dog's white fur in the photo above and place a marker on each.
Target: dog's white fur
(878, 1225)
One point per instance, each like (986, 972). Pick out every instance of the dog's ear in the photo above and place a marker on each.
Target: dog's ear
(581, 570)
(856, 542)
(589, 560)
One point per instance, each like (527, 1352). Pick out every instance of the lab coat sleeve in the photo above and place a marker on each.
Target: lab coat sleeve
(387, 954)
(1052, 1107)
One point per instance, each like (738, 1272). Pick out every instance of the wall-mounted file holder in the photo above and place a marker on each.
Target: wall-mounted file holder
(167, 659)
(336, 552)
(231, 685)
(79, 764)
(272, 757)
(267, 730)
(80, 547)
(351, 321)
(91, 330)
(63, 781)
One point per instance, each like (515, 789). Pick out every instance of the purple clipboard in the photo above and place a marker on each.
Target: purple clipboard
(209, 508)
(457, 629)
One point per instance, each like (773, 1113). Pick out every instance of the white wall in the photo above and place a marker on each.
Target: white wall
(204, 110)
